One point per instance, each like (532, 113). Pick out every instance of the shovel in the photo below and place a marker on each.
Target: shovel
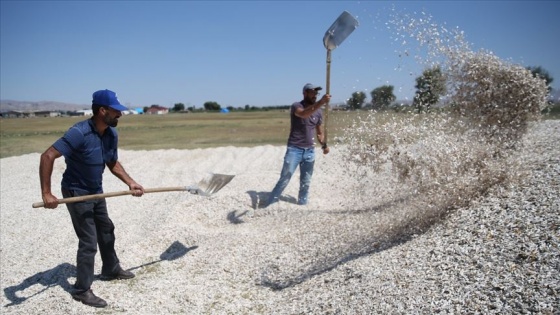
(344, 25)
(206, 187)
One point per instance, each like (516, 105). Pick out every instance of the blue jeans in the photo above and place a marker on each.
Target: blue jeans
(305, 159)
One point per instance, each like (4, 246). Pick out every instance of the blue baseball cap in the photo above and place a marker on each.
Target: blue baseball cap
(310, 86)
(107, 98)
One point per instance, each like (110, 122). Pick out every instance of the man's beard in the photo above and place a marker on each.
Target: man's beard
(110, 121)
(311, 100)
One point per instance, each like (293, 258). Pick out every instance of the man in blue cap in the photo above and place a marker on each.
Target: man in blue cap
(305, 120)
(88, 147)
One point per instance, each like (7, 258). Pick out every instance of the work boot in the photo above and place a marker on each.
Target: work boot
(88, 298)
(120, 274)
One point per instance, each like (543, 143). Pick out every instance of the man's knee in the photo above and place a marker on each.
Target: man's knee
(107, 237)
(106, 231)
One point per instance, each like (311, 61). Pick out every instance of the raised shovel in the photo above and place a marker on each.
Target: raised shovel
(344, 25)
(206, 187)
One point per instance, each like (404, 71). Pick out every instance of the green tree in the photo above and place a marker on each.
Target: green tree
(357, 100)
(178, 107)
(430, 86)
(212, 106)
(382, 96)
(540, 72)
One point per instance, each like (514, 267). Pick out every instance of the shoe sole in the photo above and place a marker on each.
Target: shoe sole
(92, 305)
(106, 278)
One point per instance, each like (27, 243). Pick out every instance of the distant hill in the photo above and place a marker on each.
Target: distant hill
(9, 105)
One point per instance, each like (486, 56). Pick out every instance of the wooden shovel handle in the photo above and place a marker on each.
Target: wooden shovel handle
(328, 91)
(111, 194)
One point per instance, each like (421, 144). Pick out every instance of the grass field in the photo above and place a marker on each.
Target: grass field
(173, 131)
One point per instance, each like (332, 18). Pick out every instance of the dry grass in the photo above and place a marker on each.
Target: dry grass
(174, 131)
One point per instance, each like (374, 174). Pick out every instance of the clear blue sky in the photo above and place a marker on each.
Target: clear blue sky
(241, 52)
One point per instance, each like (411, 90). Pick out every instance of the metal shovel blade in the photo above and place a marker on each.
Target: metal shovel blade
(210, 184)
(344, 25)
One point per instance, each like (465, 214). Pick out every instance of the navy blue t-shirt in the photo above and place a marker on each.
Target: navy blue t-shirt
(303, 129)
(86, 152)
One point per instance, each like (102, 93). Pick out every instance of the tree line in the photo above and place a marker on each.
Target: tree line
(216, 107)
(430, 87)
